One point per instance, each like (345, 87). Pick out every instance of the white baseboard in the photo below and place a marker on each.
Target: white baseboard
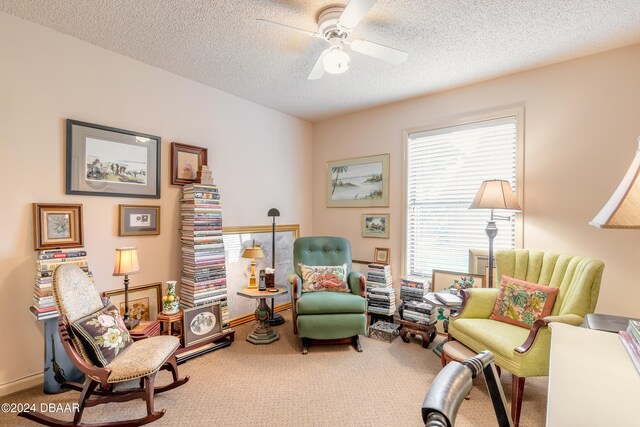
(21, 383)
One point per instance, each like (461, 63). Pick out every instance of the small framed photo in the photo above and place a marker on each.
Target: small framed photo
(382, 256)
(57, 226)
(144, 301)
(186, 161)
(442, 280)
(375, 225)
(201, 323)
(138, 220)
(105, 161)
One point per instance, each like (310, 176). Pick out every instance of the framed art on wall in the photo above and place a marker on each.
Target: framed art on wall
(144, 300)
(105, 161)
(138, 220)
(57, 226)
(201, 323)
(375, 225)
(186, 161)
(359, 182)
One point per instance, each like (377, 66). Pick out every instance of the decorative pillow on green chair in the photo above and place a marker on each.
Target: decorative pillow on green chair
(522, 303)
(332, 278)
(103, 334)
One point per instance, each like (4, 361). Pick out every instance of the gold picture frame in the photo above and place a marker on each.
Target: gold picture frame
(186, 161)
(151, 292)
(57, 226)
(382, 255)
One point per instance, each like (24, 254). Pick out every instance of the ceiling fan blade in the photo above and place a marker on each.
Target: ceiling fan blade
(300, 30)
(354, 12)
(385, 53)
(318, 69)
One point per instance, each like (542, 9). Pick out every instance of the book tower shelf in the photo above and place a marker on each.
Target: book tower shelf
(203, 278)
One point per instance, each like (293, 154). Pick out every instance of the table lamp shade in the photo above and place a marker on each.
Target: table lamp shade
(495, 194)
(126, 262)
(623, 208)
(252, 252)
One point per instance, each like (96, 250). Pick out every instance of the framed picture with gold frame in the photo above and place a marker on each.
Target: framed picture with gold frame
(382, 255)
(57, 226)
(138, 220)
(144, 300)
(186, 161)
(358, 182)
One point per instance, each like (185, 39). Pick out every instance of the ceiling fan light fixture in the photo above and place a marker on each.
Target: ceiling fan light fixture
(336, 61)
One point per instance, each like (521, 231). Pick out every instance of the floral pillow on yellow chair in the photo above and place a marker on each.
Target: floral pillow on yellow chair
(522, 303)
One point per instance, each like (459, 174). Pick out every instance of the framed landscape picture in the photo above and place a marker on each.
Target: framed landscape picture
(137, 220)
(360, 182)
(105, 161)
(144, 301)
(201, 323)
(57, 226)
(375, 225)
(186, 161)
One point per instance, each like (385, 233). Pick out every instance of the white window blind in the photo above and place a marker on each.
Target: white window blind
(444, 170)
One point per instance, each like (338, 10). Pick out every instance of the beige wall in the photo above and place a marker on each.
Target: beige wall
(259, 158)
(581, 122)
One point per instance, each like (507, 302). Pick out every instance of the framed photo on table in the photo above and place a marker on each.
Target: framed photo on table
(186, 161)
(441, 280)
(138, 220)
(201, 323)
(359, 182)
(144, 301)
(106, 161)
(381, 255)
(57, 226)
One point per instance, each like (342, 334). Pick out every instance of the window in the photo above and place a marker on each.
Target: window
(445, 167)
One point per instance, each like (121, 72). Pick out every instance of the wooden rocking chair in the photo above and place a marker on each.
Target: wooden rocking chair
(76, 296)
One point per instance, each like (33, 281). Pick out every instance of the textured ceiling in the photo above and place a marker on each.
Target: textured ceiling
(450, 43)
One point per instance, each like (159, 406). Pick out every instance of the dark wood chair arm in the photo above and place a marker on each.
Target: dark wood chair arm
(102, 374)
(295, 288)
(538, 324)
(465, 297)
(363, 287)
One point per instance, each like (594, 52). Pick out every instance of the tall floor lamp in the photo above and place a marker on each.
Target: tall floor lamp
(623, 208)
(275, 319)
(494, 194)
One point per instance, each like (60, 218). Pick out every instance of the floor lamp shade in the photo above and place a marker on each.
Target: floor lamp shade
(623, 208)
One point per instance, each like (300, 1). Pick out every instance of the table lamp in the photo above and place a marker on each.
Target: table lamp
(623, 208)
(126, 264)
(494, 194)
(252, 252)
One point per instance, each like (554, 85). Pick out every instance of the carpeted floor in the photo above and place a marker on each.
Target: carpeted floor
(275, 385)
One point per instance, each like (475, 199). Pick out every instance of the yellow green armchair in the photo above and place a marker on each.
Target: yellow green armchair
(524, 352)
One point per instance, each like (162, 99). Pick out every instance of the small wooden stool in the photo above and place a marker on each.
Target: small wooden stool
(427, 332)
(167, 323)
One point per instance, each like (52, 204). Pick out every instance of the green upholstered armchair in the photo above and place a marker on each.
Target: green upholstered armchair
(327, 317)
(524, 352)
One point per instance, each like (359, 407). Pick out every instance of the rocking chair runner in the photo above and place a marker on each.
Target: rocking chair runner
(76, 296)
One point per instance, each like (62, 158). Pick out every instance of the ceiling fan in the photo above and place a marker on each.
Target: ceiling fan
(335, 24)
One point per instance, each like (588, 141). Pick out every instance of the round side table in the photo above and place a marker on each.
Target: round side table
(168, 324)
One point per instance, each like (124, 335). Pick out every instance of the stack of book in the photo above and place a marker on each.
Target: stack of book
(44, 306)
(631, 341)
(413, 288)
(203, 258)
(381, 296)
(419, 312)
